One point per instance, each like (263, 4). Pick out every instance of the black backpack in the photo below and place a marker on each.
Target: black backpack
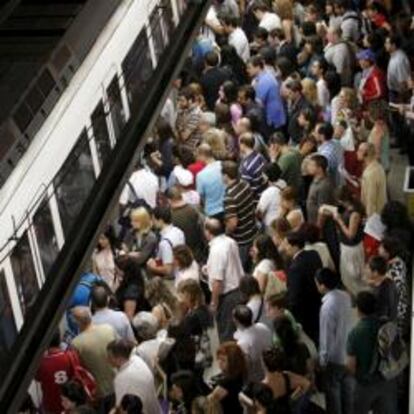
(124, 219)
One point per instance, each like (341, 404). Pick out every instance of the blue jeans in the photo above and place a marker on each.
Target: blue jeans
(339, 390)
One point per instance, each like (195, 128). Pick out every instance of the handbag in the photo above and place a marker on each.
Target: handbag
(82, 376)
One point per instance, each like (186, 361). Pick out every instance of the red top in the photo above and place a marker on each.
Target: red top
(374, 86)
(195, 168)
(55, 369)
(379, 20)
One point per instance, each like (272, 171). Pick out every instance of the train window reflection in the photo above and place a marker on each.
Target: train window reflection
(168, 21)
(100, 131)
(74, 182)
(24, 274)
(156, 33)
(45, 235)
(137, 68)
(8, 331)
(116, 109)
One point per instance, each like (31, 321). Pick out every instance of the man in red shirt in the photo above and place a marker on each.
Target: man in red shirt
(373, 83)
(54, 370)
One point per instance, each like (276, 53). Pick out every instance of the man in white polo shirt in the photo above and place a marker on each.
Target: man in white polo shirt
(133, 376)
(224, 271)
(267, 20)
(236, 36)
(170, 237)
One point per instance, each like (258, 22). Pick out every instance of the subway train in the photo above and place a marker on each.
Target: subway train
(66, 137)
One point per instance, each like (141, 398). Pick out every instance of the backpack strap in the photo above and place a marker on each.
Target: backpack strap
(132, 189)
(259, 315)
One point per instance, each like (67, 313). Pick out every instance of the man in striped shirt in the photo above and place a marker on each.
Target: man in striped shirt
(188, 119)
(239, 211)
(251, 165)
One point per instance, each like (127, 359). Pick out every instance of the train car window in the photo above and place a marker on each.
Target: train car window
(137, 68)
(24, 274)
(168, 20)
(181, 4)
(156, 33)
(74, 182)
(115, 104)
(100, 131)
(8, 331)
(45, 236)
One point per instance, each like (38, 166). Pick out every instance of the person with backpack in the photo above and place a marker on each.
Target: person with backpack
(55, 369)
(140, 191)
(383, 287)
(81, 297)
(170, 236)
(340, 54)
(372, 391)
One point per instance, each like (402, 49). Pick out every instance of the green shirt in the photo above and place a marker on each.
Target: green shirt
(91, 347)
(290, 163)
(362, 344)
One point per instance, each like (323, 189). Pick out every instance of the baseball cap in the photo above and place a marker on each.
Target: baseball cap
(366, 54)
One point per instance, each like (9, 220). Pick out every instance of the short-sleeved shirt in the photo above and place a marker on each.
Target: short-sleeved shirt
(135, 378)
(239, 41)
(224, 263)
(362, 341)
(239, 202)
(290, 163)
(171, 237)
(269, 202)
(398, 71)
(91, 346)
(251, 169)
(211, 188)
(270, 21)
(146, 186)
(320, 192)
(117, 319)
(253, 341)
(54, 370)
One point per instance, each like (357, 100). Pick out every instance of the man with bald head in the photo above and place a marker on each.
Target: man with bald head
(91, 346)
(373, 180)
(224, 271)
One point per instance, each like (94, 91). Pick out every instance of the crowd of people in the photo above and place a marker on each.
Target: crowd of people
(258, 263)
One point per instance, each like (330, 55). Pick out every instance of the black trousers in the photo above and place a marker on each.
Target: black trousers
(224, 317)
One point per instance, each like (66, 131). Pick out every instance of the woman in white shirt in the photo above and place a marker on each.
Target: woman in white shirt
(266, 259)
(269, 203)
(253, 298)
(185, 265)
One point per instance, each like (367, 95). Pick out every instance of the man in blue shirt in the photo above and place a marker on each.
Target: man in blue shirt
(332, 150)
(268, 92)
(210, 184)
(334, 326)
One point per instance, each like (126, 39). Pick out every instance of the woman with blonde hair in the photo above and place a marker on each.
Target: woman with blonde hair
(310, 91)
(141, 242)
(344, 105)
(217, 139)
